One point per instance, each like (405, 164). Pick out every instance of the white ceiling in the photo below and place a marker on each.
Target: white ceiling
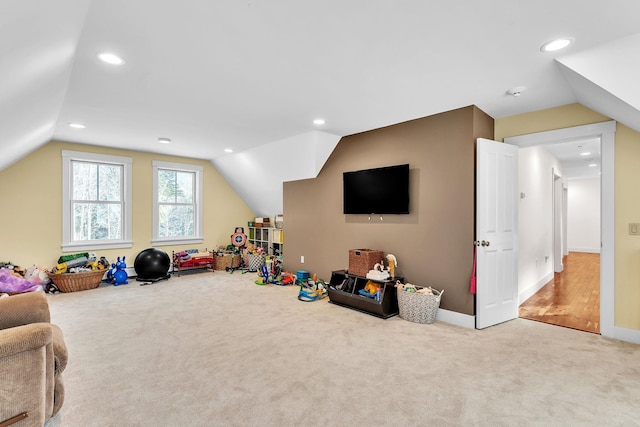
(238, 74)
(579, 159)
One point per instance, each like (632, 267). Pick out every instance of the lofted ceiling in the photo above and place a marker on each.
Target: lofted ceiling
(247, 74)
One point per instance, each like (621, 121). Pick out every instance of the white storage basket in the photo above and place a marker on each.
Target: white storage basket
(417, 307)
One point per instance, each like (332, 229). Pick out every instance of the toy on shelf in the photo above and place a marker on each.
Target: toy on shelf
(392, 263)
(371, 290)
(379, 272)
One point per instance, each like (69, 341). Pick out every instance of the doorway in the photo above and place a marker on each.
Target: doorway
(572, 298)
(605, 132)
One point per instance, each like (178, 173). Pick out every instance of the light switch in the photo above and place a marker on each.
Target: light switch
(634, 229)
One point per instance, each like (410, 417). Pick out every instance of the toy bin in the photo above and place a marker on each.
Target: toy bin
(363, 260)
(256, 261)
(226, 261)
(72, 282)
(419, 308)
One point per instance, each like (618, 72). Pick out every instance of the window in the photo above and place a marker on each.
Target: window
(177, 203)
(96, 193)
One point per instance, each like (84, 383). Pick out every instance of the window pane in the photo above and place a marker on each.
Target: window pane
(166, 186)
(110, 183)
(184, 193)
(175, 187)
(84, 181)
(176, 221)
(95, 221)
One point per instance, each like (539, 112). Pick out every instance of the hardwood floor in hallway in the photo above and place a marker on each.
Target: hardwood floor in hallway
(572, 298)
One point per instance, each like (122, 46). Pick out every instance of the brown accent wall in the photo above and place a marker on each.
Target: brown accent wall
(433, 244)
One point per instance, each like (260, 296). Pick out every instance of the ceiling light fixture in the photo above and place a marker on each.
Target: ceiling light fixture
(76, 125)
(228, 150)
(164, 140)
(318, 122)
(593, 165)
(557, 44)
(110, 58)
(516, 91)
(586, 153)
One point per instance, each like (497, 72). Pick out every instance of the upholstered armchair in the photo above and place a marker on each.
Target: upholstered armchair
(32, 357)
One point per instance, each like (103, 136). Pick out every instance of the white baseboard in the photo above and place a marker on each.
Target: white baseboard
(587, 250)
(455, 318)
(626, 334)
(528, 293)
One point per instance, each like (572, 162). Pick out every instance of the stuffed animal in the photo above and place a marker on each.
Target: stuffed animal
(393, 263)
(407, 287)
(37, 275)
(10, 283)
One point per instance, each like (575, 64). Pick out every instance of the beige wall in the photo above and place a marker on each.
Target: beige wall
(627, 209)
(31, 213)
(433, 243)
(627, 202)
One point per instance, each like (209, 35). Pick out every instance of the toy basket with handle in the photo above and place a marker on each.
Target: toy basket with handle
(418, 307)
(72, 282)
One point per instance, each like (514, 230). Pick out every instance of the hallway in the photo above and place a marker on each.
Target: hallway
(572, 298)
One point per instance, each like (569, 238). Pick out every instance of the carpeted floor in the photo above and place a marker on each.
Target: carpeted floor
(214, 349)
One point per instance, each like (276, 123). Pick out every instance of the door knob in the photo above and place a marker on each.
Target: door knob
(485, 243)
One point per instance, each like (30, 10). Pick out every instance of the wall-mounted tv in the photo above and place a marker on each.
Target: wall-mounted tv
(377, 191)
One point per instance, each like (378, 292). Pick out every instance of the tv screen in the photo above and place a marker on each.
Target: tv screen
(377, 191)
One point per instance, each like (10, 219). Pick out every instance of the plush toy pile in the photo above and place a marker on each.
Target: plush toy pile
(14, 279)
(408, 287)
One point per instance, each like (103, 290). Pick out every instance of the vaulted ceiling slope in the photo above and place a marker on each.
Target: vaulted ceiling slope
(230, 74)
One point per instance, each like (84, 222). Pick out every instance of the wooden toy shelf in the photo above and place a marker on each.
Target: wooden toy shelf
(385, 308)
(202, 260)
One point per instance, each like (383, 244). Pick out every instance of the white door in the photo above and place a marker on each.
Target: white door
(496, 232)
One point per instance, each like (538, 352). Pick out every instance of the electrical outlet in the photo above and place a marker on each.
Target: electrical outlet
(301, 259)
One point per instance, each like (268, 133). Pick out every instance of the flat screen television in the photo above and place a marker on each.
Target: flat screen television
(377, 191)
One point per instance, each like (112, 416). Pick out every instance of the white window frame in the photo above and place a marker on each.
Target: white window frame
(68, 242)
(181, 167)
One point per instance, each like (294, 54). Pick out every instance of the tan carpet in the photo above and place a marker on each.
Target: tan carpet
(214, 349)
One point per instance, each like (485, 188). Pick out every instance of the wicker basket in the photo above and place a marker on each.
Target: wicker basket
(71, 282)
(419, 308)
(363, 260)
(224, 261)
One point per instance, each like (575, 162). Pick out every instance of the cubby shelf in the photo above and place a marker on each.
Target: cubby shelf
(270, 239)
(385, 308)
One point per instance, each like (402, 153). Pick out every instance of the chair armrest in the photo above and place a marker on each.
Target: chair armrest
(24, 338)
(25, 364)
(60, 354)
(22, 309)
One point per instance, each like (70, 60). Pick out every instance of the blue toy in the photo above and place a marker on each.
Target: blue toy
(264, 272)
(120, 276)
(110, 273)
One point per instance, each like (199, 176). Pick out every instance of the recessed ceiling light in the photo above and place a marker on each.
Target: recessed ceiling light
(586, 153)
(228, 150)
(318, 122)
(164, 140)
(76, 125)
(557, 44)
(110, 58)
(593, 165)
